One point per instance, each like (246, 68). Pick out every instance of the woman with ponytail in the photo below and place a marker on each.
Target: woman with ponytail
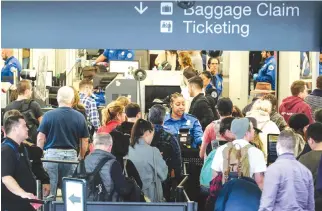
(112, 116)
(147, 160)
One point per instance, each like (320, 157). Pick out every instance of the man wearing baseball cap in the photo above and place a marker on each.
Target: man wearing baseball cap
(244, 132)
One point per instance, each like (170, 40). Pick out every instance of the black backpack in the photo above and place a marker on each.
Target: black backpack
(31, 121)
(95, 187)
(161, 140)
(91, 129)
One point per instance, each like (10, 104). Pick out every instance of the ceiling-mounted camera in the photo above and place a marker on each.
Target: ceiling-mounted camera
(186, 4)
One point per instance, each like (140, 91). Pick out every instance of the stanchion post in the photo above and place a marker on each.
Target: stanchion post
(191, 206)
(39, 193)
(195, 206)
(179, 193)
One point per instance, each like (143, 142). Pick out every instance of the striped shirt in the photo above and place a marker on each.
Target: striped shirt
(314, 100)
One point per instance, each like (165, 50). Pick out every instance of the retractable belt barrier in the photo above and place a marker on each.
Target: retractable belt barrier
(183, 203)
(128, 206)
(59, 161)
(36, 201)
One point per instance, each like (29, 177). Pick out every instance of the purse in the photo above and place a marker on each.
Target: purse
(143, 198)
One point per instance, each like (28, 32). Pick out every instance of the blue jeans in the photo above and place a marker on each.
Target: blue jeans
(57, 171)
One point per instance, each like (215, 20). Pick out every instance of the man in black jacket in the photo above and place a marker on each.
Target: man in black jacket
(123, 131)
(133, 113)
(17, 180)
(122, 134)
(34, 154)
(116, 186)
(200, 106)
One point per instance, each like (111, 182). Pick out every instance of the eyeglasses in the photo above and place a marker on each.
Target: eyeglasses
(215, 63)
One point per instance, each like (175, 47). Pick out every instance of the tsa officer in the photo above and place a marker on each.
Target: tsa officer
(11, 64)
(268, 70)
(217, 78)
(178, 119)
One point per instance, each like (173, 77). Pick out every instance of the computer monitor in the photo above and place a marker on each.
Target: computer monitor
(271, 148)
(153, 92)
(117, 66)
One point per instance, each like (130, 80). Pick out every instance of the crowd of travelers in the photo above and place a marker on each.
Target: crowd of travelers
(141, 160)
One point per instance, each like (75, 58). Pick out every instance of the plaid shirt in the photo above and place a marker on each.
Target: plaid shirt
(215, 188)
(91, 110)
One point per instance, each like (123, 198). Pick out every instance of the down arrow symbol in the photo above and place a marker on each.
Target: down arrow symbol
(141, 10)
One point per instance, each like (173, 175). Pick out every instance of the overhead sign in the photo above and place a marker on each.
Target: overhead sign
(74, 193)
(208, 25)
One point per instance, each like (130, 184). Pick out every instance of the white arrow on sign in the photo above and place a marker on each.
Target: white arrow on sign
(141, 10)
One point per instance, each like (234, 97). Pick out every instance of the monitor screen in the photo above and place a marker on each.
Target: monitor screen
(158, 92)
(123, 66)
(271, 148)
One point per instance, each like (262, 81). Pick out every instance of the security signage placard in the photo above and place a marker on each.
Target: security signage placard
(74, 194)
(207, 25)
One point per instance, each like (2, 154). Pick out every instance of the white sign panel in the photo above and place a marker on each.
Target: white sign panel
(74, 194)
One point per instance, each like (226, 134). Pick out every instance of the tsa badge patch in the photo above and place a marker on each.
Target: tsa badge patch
(13, 69)
(271, 67)
(214, 94)
(129, 55)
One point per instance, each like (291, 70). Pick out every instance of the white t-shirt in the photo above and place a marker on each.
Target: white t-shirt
(256, 158)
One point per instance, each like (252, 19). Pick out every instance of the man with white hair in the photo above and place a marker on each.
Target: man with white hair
(110, 171)
(11, 64)
(60, 133)
(288, 184)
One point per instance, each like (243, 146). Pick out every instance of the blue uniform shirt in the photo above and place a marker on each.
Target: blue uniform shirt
(210, 86)
(187, 121)
(11, 62)
(217, 81)
(118, 54)
(267, 72)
